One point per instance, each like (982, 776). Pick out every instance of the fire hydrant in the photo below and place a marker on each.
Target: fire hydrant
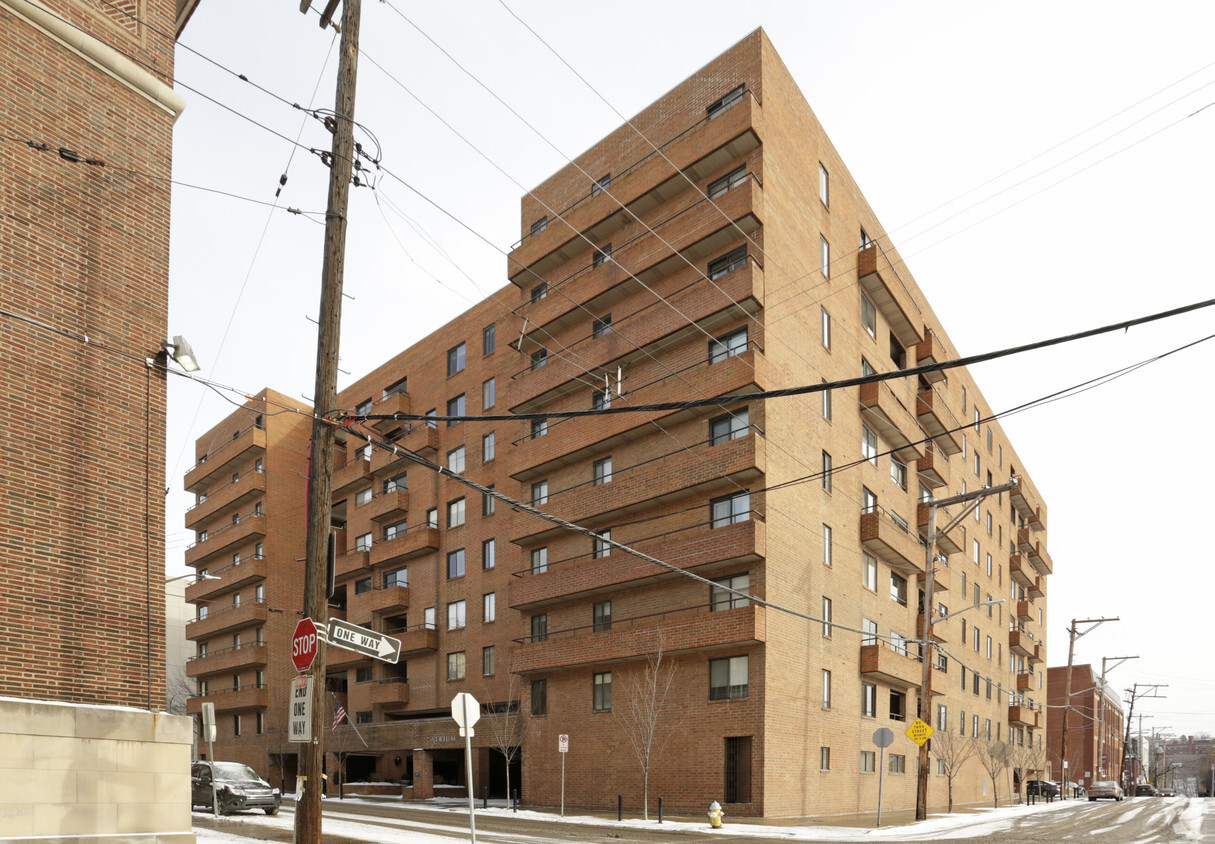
(715, 815)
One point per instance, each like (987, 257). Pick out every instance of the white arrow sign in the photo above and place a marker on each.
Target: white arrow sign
(364, 641)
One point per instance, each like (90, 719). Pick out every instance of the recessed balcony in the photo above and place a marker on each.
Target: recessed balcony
(948, 542)
(227, 498)
(386, 507)
(933, 468)
(1023, 716)
(227, 660)
(938, 421)
(892, 543)
(881, 408)
(395, 403)
(248, 696)
(212, 543)
(221, 581)
(416, 541)
(227, 620)
(931, 350)
(682, 630)
(242, 449)
(883, 287)
(883, 664)
(1019, 571)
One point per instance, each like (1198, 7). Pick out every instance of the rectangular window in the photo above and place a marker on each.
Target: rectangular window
(363, 717)
(942, 717)
(539, 428)
(898, 706)
(940, 767)
(455, 563)
(824, 249)
(539, 226)
(868, 761)
(721, 105)
(539, 493)
(601, 695)
(489, 338)
(824, 758)
(869, 571)
(601, 326)
(826, 394)
(363, 542)
(539, 358)
(600, 256)
(360, 498)
(601, 546)
(728, 345)
(728, 678)
(869, 444)
(362, 585)
(455, 666)
(396, 577)
(488, 394)
(720, 596)
(488, 554)
(898, 472)
(601, 399)
(539, 560)
(826, 702)
(601, 184)
(731, 180)
(455, 513)
(730, 509)
(732, 426)
(455, 407)
(868, 316)
(455, 459)
(898, 763)
(487, 661)
(455, 359)
(539, 625)
(898, 588)
(826, 545)
(869, 700)
(400, 482)
(603, 471)
(823, 184)
(428, 618)
(826, 617)
(488, 503)
(431, 422)
(602, 616)
(540, 291)
(487, 447)
(539, 697)
(489, 607)
(826, 472)
(727, 263)
(825, 328)
(432, 517)
(456, 615)
(869, 634)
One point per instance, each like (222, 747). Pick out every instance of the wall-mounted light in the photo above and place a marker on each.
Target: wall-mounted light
(182, 352)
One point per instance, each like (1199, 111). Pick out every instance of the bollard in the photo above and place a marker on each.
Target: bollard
(619, 807)
(515, 800)
(485, 797)
(660, 810)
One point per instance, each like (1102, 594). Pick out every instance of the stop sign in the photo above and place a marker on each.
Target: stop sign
(304, 645)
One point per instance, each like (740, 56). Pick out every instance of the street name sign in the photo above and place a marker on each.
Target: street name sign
(364, 641)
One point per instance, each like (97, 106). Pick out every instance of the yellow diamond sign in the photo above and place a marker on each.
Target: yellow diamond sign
(919, 731)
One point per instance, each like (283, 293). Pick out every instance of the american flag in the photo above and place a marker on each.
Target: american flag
(339, 715)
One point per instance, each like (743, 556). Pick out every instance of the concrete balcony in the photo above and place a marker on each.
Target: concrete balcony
(745, 372)
(682, 631)
(390, 694)
(355, 473)
(227, 499)
(233, 576)
(351, 564)
(884, 288)
(1025, 682)
(942, 578)
(239, 451)
(248, 696)
(938, 421)
(416, 639)
(227, 661)
(1023, 716)
(933, 468)
(882, 664)
(1038, 655)
(394, 403)
(384, 600)
(225, 539)
(1025, 611)
(386, 507)
(642, 186)
(1020, 643)
(892, 420)
(1019, 571)
(704, 304)
(688, 549)
(948, 542)
(416, 541)
(891, 543)
(340, 659)
(228, 620)
(930, 350)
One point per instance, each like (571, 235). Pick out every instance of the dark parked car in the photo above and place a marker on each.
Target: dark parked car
(1041, 788)
(1146, 790)
(237, 787)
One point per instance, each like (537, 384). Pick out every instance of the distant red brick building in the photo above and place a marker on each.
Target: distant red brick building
(1095, 727)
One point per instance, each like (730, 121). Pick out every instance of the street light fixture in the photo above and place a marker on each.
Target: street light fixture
(182, 352)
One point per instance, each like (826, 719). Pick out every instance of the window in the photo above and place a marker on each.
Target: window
(363, 717)
(731, 180)
(487, 447)
(722, 598)
(898, 643)
(824, 250)
(727, 346)
(601, 184)
(539, 697)
(539, 358)
(601, 616)
(488, 554)
(430, 421)
(602, 326)
(362, 585)
(600, 256)
(898, 472)
(732, 426)
(728, 678)
(539, 560)
(397, 577)
(360, 409)
(539, 493)
(730, 509)
(539, 428)
(898, 588)
(869, 571)
(399, 482)
(898, 706)
(601, 546)
(601, 695)
(601, 399)
(940, 767)
(261, 723)
(455, 359)
(360, 498)
(603, 471)
(488, 503)
(539, 226)
(826, 472)
(868, 761)
(826, 689)
(236, 725)
(725, 102)
(826, 545)
(539, 292)
(868, 316)
(826, 394)
(823, 184)
(867, 368)
(869, 631)
(869, 700)
(825, 329)
(974, 726)
(826, 617)
(455, 513)
(489, 607)
(487, 661)
(489, 339)
(824, 758)
(455, 666)
(488, 396)
(539, 625)
(868, 500)
(363, 542)
(727, 263)
(989, 647)
(898, 763)
(428, 618)
(942, 717)
(456, 615)
(869, 444)
(455, 459)
(432, 517)
(455, 563)
(455, 407)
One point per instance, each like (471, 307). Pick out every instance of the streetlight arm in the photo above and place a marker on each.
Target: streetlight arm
(967, 609)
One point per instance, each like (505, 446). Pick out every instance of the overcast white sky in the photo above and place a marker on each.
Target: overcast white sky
(925, 102)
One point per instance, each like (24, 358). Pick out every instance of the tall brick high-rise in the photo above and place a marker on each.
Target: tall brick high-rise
(88, 110)
(715, 246)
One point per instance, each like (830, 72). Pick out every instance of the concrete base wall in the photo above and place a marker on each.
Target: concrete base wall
(76, 773)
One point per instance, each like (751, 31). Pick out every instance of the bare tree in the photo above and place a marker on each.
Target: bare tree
(644, 715)
(952, 750)
(993, 757)
(178, 689)
(509, 721)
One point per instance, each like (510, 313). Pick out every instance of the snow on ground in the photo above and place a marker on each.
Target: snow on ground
(973, 823)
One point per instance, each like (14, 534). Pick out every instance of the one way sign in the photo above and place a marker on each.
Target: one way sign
(364, 641)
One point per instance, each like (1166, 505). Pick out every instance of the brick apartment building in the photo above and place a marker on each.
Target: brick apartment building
(740, 257)
(1095, 728)
(88, 111)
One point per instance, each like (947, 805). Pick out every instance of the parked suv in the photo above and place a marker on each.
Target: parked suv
(1041, 788)
(237, 787)
(1146, 790)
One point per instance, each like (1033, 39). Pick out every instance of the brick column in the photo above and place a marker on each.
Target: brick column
(423, 775)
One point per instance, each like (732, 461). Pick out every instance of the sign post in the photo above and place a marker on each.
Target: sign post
(300, 716)
(467, 711)
(883, 738)
(563, 747)
(208, 717)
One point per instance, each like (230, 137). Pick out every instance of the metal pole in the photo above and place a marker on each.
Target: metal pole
(921, 792)
(881, 771)
(211, 762)
(563, 785)
(468, 770)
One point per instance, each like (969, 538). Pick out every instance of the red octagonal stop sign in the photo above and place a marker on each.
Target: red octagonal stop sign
(304, 645)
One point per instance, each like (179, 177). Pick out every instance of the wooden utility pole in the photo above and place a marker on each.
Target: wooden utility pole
(1102, 726)
(320, 471)
(1072, 636)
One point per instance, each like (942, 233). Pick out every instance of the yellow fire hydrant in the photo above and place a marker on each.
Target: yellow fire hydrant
(715, 815)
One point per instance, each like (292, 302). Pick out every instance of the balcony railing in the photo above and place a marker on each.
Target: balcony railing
(244, 696)
(416, 639)
(250, 569)
(354, 472)
(884, 664)
(933, 467)
(228, 619)
(379, 600)
(226, 499)
(414, 542)
(244, 446)
(891, 542)
(227, 660)
(247, 528)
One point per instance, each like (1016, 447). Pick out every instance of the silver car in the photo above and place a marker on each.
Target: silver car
(1105, 789)
(236, 787)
